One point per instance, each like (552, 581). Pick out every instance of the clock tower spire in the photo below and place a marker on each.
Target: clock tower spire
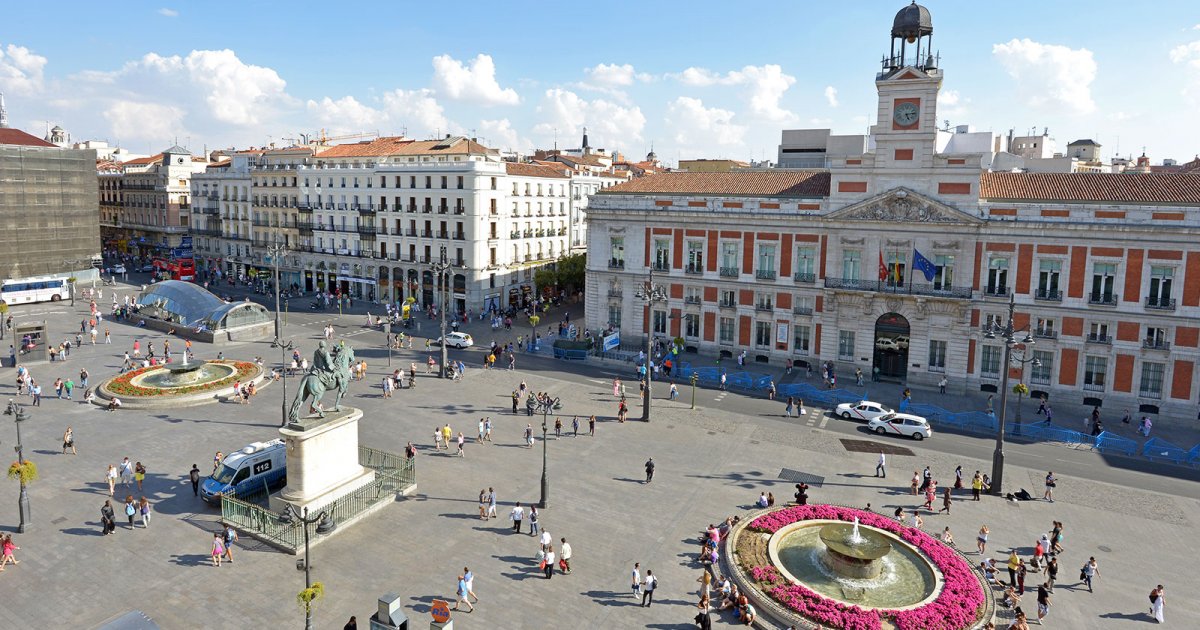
(908, 85)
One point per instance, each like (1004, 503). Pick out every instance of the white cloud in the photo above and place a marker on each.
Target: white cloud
(165, 12)
(145, 121)
(831, 96)
(609, 124)
(21, 71)
(692, 124)
(1121, 116)
(952, 104)
(501, 135)
(476, 84)
(1189, 55)
(237, 92)
(417, 110)
(766, 87)
(1050, 75)
(613, 75)
(345, 114)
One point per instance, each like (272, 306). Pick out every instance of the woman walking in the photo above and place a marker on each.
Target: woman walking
(1089, 572)
(976, 486)
(111, 477)
(69, 441)
(787, 410)
(9, 547)
(548, 563)
(218, 549)
(945, 501)
(139, 475)
(144, 510)
(483, 505)
(130, 509)
(916, 481)
(1156, 603)
(982, 538)
(958, 483)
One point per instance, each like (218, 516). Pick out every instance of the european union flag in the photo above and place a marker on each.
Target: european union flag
(924, 265)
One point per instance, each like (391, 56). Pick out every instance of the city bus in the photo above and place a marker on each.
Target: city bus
(29, 290)
(177, 269)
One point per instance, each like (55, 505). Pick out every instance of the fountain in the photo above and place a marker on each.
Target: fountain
(178, 384)
(852, 554)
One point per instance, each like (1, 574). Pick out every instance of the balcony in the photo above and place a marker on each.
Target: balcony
(765, 274)
(341, 206)
(1045, 333)
(410, 232)
(426, 233)
(764, 306)
(615, 293)
(366, 210)
(304, 208)
(996, 291)
(443, 209)
(366, 229)
(1097, 338)
(1048, 295)
(1093, 387)
(1160, 303)
(661, 266)
(1103, 299)
(515, 235)
(801, 276)
(692, 299)
(802, 310)
(616, 264)
(695, 270)
(730, 272)
(885, 286)
(426, 209)
(1156, 344)
(443, 235)
(412, 207)
(727, 304)
(460, 210)
(1145, 393)
(458, 236)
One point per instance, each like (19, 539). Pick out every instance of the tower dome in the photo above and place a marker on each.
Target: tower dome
(911, 22)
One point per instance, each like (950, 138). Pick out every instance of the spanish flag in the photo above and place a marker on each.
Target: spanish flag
(883, 270)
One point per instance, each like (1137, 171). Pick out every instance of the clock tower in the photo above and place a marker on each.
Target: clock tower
(908, 84)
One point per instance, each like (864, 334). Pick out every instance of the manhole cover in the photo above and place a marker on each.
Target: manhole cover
(796, 476)
(864, 446)
(1105, 549)
(712, 432)
(755, 442)
(61, 519)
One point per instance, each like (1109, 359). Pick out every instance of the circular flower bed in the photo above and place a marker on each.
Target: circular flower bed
(122, 385)
(957, 606)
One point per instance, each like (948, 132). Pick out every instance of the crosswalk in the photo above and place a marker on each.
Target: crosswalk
(812, 417)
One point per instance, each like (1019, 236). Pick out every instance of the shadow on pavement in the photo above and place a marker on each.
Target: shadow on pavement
(83, 531)
(613, 598)
(191, 559)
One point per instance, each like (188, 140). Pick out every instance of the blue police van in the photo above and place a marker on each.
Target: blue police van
(257, 466)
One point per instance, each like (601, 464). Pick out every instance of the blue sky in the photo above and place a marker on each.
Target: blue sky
(701, 79)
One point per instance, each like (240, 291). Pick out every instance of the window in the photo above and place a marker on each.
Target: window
(1045, 328)
(766, 261)
(801, 338)
(1156, 338)
(614, 316)
(762, 334)
(662, 254)
(1042, 369)
(692, 295)
(805, 263)
(1103, 279)
(852, 265)
(992, 320)
(1094, 369)
(730, 265)
(937, 356)
(990, 361)
(1098, 333)
(695, 256)
(997, 283)
(802, 304)
(896, 266)
(725, 330)
(1160, 287)
(616, 248)
(660, 322)
(846, 345)
(764, 301)
(943, 275)
(1152, 380)
(1048, 273)
(728, 298)
(691, 326)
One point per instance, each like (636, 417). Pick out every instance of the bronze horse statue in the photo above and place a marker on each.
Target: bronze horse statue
(314, 384)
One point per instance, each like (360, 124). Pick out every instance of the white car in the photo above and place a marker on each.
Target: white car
(457, 340)
(886, 343)
(862, 410)
(904, 424)
(902, 342)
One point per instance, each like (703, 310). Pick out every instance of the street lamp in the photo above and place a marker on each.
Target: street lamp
(20, 415)
(545, 407)
(276, 251)
(1009, 334)
(440, 267)
(650, 293)
(695, 379)
(325, 525)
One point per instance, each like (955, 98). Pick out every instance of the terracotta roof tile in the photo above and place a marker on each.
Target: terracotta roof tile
(1096, 187)
(759, 183)
(18, 137)
(144, 161)
(399, 145)
(522, 169)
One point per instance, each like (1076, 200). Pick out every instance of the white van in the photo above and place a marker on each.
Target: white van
(257, 466)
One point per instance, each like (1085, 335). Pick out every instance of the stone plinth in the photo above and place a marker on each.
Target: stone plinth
(322, 461)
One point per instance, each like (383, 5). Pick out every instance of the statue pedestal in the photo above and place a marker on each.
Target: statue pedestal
(322, 461)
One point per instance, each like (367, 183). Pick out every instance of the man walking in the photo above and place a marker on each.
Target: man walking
(648, 589)
(942, 385)
(649, 470)
(194, 477)
(517, 515)
(491, 498)
(637, 579)
(880, 468)
(1051, 481)
(565, 557)
(1043, 601)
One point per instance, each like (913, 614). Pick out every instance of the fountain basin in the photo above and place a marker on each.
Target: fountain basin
(179, 384)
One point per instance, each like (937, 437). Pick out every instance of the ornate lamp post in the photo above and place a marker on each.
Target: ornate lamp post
(440, 268)
(20, 415)
(325, 525)
(545, 407)
(1010, 336)
(276, 251)
(649, 293)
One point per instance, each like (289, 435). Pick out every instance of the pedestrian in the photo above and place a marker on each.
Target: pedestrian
(1049, 414)
(926, 478)
(1050, 483)
(958, 484)
(437, 438)
(915, 521)
(194, 477)
(982, 538)
(144, 511)
(352, 624)
(217, 461)
(787, 409)
(111, 477)
(1022, 571)
(592, 426)
(517, 515)
(7, 547)
(548, 562)
(942, 385)
(916, 481)
(1043, 601)
(139, 475)
(461, 441)
(528, 435)
(637, 579)
(1014, 563)
(858, 377)
(130, 509)
(557, 428)
(1156, 603)
(533, 520)
(469, 578)
(648, 591)
(649, 470)
(483, 505)
(564, 561)
(108, 517)
(880, 467)
(1051, 573)
(1089, 572)
(947, 537)
(487, 429)
(463, 594)
(976, 486)
(575, 426)
(69, 441)
(491, 511)
(482, 432)
(989, 403)
(945, 501)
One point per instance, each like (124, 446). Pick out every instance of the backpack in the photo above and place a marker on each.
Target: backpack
(129, 509)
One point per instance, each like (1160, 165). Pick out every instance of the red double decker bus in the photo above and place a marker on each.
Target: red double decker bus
(177, 269)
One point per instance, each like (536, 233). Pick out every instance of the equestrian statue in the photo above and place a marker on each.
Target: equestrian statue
(329, 371)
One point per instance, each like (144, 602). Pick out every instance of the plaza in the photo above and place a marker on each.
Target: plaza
(712, 462)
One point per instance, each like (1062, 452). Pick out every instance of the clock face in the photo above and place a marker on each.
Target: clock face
(906, 114)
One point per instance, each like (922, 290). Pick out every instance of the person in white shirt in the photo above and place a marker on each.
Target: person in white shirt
(546, 540)
(518, 515)
(880, 466)
(566, 556)
(648, 590)
(637, 579)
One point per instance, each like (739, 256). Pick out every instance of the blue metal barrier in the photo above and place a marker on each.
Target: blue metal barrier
(570, 355)
(1111, 443)
(1157, 449)
(1194, 456)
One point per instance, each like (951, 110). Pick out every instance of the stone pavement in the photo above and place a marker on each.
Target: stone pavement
(710, 464)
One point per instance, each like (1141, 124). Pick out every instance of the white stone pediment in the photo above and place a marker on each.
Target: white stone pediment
(903, 205)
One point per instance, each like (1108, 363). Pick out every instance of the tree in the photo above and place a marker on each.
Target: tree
(568, 274)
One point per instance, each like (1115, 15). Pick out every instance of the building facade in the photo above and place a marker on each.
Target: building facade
(896, 259)
(147, 202)
(49, 208)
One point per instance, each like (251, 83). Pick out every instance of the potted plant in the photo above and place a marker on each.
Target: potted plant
(308, 597)
(24, 472)
(1020, 390)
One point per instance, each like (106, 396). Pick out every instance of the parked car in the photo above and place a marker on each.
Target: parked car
(147, 268)
(904, 424)
(118, 270)
(902, 342)
(886, 343)
(457, 340)
(864, 410)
